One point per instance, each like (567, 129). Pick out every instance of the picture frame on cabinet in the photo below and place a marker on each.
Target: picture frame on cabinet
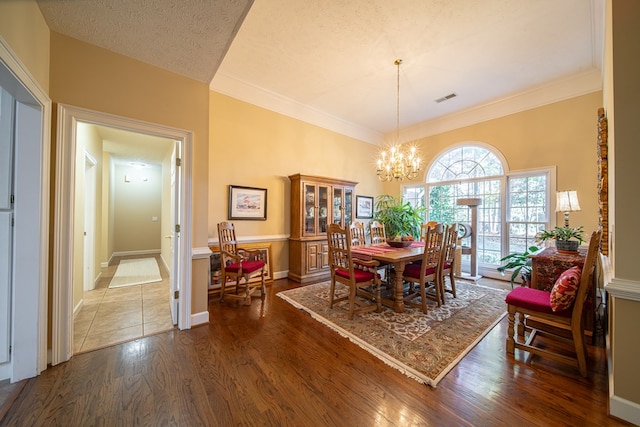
(364, 207)
(247, 203)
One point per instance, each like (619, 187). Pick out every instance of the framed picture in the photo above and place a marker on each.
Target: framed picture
(247, 203)
(364, 207)
(216, 269)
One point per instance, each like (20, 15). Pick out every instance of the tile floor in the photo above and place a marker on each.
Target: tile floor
(111, 316)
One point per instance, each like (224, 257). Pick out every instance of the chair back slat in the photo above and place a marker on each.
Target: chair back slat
(377, 233)
(432, 247)
(358, 238)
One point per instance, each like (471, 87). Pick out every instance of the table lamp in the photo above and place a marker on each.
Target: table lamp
(567, 201)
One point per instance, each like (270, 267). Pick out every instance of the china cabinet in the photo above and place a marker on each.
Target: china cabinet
(316, 202)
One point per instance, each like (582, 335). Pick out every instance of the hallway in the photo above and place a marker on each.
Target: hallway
(112, 316)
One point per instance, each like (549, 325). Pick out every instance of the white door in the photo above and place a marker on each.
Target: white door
(5, 285)
(6, 216)
(89, 257)
(175, 241)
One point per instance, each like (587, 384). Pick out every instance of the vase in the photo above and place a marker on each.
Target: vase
(567, 245)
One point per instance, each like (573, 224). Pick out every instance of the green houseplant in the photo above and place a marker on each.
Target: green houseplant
(399, 218)
(567, 238)
(520, 263)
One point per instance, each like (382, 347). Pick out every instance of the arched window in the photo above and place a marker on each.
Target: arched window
(513, 204)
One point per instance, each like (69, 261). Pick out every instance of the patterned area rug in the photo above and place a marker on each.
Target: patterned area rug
(424, 347)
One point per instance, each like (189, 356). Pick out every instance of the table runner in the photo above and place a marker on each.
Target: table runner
(365, 252)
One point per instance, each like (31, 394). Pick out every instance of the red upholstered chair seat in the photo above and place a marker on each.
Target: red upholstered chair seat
(413, 270)
(533, 299)
(360, 275)
(247, 266)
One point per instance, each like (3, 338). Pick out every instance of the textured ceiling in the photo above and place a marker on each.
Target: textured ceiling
(188, 37)
(330, 62)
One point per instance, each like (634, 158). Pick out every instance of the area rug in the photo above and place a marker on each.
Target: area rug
(423, 347)
(136, 272)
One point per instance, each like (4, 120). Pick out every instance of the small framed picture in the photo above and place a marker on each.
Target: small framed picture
(364, 207)
(247, 203)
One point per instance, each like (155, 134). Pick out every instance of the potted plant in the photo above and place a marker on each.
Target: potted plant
(521, 265)
(399, 218)
(567, 238)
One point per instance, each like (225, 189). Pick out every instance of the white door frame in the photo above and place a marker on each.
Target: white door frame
(89, 250)
(31, 210)
(68, 118)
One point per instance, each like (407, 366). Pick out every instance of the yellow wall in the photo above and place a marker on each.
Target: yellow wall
(86, 76)
(254, 147)
(25, 30)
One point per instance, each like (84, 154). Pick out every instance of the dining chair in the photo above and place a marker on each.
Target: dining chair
(358, 237)
(360, 276)
(425, 273)
(237, 263)
(447, 262)
(424, 227)
(377, 233)
(556, 315)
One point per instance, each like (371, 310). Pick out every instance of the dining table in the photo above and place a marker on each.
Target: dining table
(398, 257)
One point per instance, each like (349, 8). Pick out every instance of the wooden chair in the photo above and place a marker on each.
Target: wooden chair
(238, 263)
(358, 237)
(377, 233)
(425, 227)
(425, 273)
(447, 262)
(354, 273)
(528, 307)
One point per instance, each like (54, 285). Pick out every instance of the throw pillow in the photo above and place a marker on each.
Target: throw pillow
(564, 290)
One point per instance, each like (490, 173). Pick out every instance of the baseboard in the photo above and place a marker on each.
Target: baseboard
(624, 409)
(142, 252)
(199, 318)
(77, 308)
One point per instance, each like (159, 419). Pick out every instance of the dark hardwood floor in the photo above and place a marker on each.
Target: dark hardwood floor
(271, 364)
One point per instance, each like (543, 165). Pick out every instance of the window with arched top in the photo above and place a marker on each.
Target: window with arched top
(514, 204)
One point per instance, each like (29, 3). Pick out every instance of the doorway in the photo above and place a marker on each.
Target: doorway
(126, 224)
(68, 118)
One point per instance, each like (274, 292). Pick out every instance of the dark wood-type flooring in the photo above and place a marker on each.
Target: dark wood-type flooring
(270, 364)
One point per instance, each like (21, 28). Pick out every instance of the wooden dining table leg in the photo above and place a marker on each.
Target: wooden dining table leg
(398, 302)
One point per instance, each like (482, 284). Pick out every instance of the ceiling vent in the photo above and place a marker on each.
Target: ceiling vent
(446, 97)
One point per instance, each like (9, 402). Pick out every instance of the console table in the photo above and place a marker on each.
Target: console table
(546, 266)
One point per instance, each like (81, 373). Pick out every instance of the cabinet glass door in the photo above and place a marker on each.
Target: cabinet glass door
(337, 206)
(348, 206)
(323, 208)
(309, 212)
(316, 203)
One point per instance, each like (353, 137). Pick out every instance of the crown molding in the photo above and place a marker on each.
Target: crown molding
(239, 89)
(579, 84)
(551, 92)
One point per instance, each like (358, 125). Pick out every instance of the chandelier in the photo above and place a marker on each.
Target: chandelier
(395, 162)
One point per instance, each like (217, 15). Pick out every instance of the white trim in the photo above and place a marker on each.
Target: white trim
(24, 88)
(200, 253)
(583, 83)
(200, 318)
(132, 253)
(68, 117)
(245, 91)
(561, 89)
(624, 409)
(255, 239)
(625, 289)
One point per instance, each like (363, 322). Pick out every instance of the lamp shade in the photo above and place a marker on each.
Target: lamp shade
(567, 201)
